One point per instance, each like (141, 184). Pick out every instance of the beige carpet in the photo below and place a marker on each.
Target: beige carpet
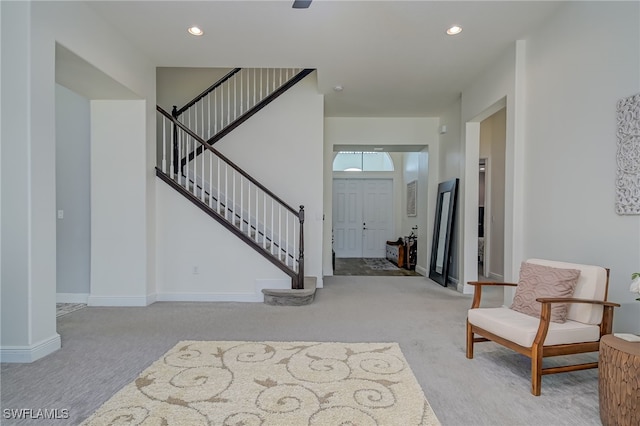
(272, 383)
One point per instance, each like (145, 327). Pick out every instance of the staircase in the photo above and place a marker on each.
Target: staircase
(192, 166)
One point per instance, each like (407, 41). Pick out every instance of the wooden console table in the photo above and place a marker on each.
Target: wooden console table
(619, 381)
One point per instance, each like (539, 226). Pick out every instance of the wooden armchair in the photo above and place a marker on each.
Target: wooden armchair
(588, 317)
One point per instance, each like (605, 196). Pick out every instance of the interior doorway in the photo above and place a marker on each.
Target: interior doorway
(483, 207)
(362, 217)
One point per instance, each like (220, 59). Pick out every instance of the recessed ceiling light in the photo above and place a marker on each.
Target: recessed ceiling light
(196, 31)
(454, 30)
(338, 88)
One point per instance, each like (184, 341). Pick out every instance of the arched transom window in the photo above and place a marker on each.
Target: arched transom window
(357, 161)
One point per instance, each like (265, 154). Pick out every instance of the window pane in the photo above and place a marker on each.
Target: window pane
(363, 161)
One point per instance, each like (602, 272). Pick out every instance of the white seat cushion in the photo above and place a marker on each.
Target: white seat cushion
(521, 328)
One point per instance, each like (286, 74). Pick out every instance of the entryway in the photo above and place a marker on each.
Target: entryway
(362, 217)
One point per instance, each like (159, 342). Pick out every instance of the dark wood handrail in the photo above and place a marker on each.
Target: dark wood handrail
(257, 107)
(204, 145)
(295, 277)
(210, 89)
(244, 117)
(281, 250)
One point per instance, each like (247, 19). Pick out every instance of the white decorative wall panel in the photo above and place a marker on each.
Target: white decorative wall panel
(628, 156)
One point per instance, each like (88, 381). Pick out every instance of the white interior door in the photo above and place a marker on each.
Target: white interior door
(347, 218)
(362, 216)
(377, 216)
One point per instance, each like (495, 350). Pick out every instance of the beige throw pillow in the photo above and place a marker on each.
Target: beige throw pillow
(544, 281)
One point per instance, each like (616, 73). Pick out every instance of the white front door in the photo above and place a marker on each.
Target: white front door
(347, 218)
(362, 216)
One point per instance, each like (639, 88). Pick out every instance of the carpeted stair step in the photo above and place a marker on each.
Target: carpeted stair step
(291, 297)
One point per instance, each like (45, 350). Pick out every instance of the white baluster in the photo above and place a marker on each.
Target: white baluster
(254, 87)
(264, 220)
(204, 152)
(171, 153)
(295, 240)
(287, 214)
(249, 208)
(209, 116)
(280, 230)
(187, 161)
(226, 189)
(210, 178)
(241, 201)
(219, 185)
(241, 94)
(272, 218)
(257, 214)
(215, 112)
(235, 96)
(179, 141)
(164, 145)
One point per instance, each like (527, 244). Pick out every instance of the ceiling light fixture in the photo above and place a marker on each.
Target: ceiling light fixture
(196, 31)
(454, 30)
(338, 88)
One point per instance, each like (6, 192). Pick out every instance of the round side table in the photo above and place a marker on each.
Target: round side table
(619, 381)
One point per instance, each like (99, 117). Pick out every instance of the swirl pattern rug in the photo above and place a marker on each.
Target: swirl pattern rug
(272, 384)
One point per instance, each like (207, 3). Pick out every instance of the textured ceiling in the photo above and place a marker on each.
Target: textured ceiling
(393, 58)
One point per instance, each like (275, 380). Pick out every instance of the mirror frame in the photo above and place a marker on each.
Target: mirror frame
(451, 187)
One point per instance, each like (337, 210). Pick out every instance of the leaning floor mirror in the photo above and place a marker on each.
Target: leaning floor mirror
(443, 231)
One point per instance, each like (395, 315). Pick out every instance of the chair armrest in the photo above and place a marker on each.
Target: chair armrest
(545, 314)
(574, 300)
(478, 290)
(481, 283)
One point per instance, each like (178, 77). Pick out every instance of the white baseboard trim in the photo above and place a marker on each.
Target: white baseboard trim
(422, 271)
(210, 297)
(152, 298)
(496, 277)
(118, 301)
(27, 354)
(72, 297)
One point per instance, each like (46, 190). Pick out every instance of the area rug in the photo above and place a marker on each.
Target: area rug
(380, 264)
(272, 384)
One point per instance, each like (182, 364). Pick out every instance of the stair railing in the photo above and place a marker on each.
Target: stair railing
(234, 198)
(233, 98)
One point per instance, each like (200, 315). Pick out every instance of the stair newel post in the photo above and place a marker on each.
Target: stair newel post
(174, 114)
(300, 283)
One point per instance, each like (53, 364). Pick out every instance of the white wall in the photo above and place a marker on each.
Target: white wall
(451, 166)
(415, 167)
(560, 87)
(386, 131)
(177, 86)
(16, 246)
(282, 148)
(500, 86)
(29, 326)
(118, 232)
(579, 65)
(492, 147)
(200, 260)
(73, 231)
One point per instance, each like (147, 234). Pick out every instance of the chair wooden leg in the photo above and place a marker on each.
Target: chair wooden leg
(469, 341)
(536, 370)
